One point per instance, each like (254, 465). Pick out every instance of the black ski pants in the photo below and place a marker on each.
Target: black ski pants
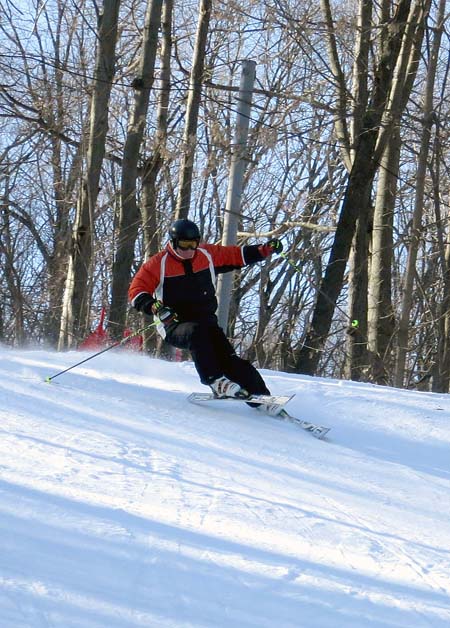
(214, 355)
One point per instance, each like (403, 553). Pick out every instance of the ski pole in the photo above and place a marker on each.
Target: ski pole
(116, 344)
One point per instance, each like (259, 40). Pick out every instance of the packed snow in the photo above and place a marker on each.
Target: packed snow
(124, 506)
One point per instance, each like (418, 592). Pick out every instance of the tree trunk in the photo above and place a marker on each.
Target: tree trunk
(357, 355)
(408, 285)
(381, 323)
(442, 383)
(360, 90)
(74, 320)
(192, 109)
(154, 163)
(130, 219)
(12, 278)
(441, 369)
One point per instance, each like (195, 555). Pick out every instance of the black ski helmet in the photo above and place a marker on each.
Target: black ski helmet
(183, 229)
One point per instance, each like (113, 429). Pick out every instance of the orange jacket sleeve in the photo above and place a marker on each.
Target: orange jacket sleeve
(224, 256)
(146, 279)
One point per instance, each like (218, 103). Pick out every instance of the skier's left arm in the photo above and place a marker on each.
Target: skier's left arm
(259, 252)
(228, 258)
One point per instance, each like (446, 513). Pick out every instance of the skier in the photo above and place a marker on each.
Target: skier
(177, 286)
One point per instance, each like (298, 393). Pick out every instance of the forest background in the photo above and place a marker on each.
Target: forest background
(118, 117)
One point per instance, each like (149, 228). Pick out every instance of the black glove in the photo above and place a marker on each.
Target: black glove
(272, 246)
(165, 314)
(144, 303)
(276, 245)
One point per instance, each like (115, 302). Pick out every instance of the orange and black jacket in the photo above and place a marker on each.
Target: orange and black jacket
(188, 286)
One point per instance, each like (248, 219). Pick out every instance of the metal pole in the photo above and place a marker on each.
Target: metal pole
(235, 183)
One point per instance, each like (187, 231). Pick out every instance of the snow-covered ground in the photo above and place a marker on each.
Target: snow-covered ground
(123, 506)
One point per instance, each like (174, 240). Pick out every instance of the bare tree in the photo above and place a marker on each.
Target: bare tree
(7, 256)
(396, 67)
(40, 107)
(192, 110)
(74, 320)
(155, 161)
(428, 118)
(129, 218)
(441, 367)
(380, 315)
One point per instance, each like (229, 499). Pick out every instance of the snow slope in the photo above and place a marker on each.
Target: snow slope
(121, 506)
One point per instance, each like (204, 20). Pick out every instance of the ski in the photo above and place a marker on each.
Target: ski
(280, 400)
(271, 405)
(319, 431)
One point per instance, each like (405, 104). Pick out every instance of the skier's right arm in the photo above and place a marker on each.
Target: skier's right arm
(143, 286)
(145, 303)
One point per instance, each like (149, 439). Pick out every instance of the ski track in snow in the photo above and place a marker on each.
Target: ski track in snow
(122, 506)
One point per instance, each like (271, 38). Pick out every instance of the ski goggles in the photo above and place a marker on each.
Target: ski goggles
(186, 245)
